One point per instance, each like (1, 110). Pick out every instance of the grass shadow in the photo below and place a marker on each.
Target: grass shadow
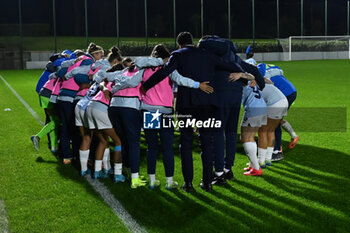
(298, 194)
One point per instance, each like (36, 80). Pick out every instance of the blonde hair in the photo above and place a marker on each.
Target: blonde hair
(93, 48)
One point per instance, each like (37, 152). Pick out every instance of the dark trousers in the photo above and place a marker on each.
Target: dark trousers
(278, 132)
(206, 138)
(227, 137)
(47, 120)
(127, 124)
(166, 139)
(66, 115)
(186, 143)
(60, 151)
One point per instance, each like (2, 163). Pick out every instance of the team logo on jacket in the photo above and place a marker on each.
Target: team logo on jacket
(151, 120)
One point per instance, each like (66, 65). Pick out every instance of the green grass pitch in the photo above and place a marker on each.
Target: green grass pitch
(308, 191)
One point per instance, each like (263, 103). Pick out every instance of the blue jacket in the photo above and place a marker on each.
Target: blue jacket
(228, 93)
(198, 65)
(278, 79)
(55, 61)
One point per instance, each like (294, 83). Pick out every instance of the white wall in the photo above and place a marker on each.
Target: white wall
(39, 59)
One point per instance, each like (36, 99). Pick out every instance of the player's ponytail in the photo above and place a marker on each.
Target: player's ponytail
(93, 48)
(114, 53)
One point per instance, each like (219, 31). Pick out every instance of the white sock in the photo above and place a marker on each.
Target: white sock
(287, 127)
(98, 165)
(261, 155)
(134, 175)
(250, 149)
(293, 135)
(105, 160)
(84, 156)
(152, 177)
(269, 151)
(226, 170)
(219, 173)
(169, 180)
(109, 160)
(275, 151)
(118, 167)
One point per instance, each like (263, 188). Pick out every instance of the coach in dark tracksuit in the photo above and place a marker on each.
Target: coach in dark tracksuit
(199, 65)
(229, 96)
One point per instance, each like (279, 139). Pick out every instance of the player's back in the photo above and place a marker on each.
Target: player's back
(253, 102)
(276, 75)
(272, 94)
(283, 84)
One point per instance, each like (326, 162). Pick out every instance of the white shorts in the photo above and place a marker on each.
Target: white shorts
(278, 110)
(81, 117)
(98, 119)
(256, 121)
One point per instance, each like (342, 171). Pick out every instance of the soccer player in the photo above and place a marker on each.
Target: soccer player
(160, 98)
(275, 74)
(44, 88)
(114, 57)
(249, 56)
(199, 65)
(52, 126)
(229, 95)
(51, 67)
(98, 120)
(255, 116)
(277, 107)
(67, 94)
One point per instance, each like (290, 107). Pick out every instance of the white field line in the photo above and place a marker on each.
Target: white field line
(3, 218)
(99, 187)
(116, 206)
(34, 114)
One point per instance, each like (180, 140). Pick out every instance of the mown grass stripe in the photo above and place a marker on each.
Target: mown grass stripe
(106, 195)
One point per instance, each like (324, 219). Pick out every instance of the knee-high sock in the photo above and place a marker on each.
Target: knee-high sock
(53, 133)
(98, 165)
(287, 127)
(250, 149)
(84, 156)
(118, 167)
(269, 151)
(261, 155)
(46, 129)
(106, 160)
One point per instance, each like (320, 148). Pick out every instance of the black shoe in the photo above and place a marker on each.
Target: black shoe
(218, 180)
(229, 175)
(277, 157)
(206, 187)
(188, 187)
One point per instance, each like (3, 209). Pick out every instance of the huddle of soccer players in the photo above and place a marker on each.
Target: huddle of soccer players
(88, 97)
